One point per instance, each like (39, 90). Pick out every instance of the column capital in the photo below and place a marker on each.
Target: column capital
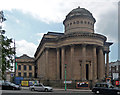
(84, 45)
(47, 48)
(72, 45)
(107, 52)
(63, 47)
(95, 46)
(100, 47)
(57, 48)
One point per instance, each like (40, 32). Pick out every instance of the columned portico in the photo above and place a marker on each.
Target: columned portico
(84, 51)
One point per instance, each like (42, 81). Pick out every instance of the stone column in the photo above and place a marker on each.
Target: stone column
(58, 64)
(72, 60)
(84, 62)
(94, 63)
(46, 65)
(22, 69)
(33, 70)
(104, 64)
(107, 64)
(90, 77)
(63, 62)
(80, 69)
(27, 69)
(100, 63)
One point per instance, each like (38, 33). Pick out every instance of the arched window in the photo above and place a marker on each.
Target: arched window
(70, 23)
(85, 22)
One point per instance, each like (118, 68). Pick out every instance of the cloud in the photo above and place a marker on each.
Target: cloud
(24, 47)
(17, 21)
(107, 24)
(40, 36)
(55, 10)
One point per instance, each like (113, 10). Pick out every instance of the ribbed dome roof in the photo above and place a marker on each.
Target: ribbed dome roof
(80, 12)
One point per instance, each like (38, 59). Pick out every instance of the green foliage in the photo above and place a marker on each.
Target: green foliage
(7, 55)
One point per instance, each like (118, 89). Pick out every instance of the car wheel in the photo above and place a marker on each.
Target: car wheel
(32, 89)
(97, 92)
(118, 92)
(46, 90)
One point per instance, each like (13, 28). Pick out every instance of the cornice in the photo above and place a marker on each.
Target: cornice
(83, 35)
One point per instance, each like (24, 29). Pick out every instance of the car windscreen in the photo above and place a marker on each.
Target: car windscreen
(12, 84)
(97, 85)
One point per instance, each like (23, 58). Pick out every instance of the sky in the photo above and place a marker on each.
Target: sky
(28, 20)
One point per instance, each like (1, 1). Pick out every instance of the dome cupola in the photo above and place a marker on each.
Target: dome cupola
(79, 20)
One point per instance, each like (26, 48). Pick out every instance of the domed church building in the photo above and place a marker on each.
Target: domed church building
(82, 50)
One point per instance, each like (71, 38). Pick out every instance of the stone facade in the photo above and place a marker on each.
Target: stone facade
(114, 70)
(79, 47)
(25, 66)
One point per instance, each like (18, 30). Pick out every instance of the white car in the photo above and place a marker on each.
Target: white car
(40, 87)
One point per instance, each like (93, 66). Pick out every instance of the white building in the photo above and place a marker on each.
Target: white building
(114, 69)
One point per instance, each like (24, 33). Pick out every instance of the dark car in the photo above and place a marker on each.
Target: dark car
(106, 88)
(10, 86)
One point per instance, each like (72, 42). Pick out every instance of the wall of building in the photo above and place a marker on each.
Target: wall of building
(27, 71)
(52, 64)
(41, 66)
(79, 25)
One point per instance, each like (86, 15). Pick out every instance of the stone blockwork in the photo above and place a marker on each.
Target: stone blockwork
(25, 66)
(79, 47)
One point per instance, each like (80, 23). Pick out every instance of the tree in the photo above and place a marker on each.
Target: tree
(7, 56)
(6, 51)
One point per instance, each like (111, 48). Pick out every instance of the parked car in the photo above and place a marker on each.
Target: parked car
(10, 86)
(40, 87)
(106, 88)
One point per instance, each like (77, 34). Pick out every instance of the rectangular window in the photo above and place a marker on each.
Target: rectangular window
(24, 67)
(19, 74)
(30, 67)
(30, 74)
(25, 74)
(19, 67)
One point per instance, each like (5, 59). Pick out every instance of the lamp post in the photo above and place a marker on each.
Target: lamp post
(65, 77)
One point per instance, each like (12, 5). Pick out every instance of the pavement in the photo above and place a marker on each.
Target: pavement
(61, 89)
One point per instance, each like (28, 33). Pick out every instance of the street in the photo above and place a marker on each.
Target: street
(55, 92)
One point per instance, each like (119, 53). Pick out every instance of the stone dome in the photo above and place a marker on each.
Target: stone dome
(80, 12)
(79, 20)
